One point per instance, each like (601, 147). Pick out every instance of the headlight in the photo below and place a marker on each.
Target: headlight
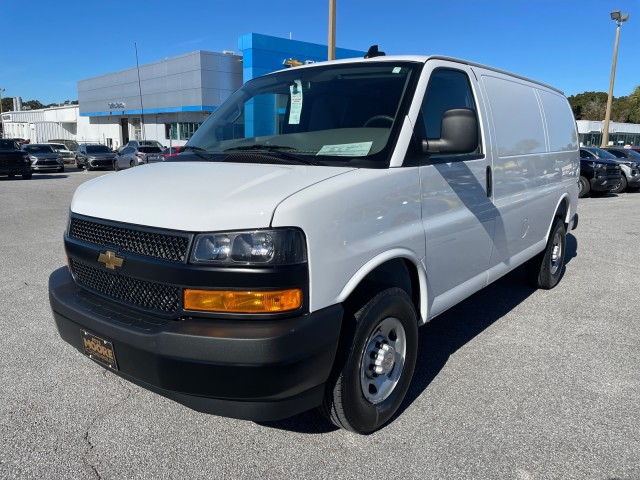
(259, 247)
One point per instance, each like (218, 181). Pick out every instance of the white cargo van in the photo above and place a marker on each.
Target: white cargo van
(321, 215)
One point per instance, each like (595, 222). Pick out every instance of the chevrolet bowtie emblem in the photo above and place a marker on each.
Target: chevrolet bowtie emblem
(110, 260)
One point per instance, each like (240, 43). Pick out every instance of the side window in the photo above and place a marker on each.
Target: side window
(447, 89)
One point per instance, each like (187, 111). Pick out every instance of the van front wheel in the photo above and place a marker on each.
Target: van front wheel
(545, 269)
(373, 372)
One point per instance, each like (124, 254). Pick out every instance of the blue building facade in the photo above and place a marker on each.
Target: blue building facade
(167, 100)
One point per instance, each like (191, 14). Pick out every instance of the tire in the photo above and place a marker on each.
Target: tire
(131, 165)
(61, 169)
(27, 176)
(622, 186)
(116, 167)
(384, 329)
(545, 269)
(583, 187)
(79, 166)
(88, 166)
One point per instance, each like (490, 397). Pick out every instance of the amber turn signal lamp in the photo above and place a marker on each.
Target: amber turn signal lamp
(228, 301)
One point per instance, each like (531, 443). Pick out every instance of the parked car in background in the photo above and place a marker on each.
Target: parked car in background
(67, 155)
(141, 143)
(598, 176)
(628, 174)
(43, 157)
(19, 141)
(91, 156)
(13, 160)
(133, 156)
(630, 161)
(172, 151)
(71, 145)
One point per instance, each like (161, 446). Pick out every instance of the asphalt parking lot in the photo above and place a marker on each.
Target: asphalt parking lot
(512, 383)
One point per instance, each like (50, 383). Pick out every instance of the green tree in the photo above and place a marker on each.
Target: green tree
(32, 104)
(7, 104)
(589, 105)
(634, 102)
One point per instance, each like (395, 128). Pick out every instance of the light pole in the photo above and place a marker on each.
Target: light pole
(332, 30)
(1, 121)
(619, 18)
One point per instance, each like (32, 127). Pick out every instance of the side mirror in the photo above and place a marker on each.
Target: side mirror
(458, 133)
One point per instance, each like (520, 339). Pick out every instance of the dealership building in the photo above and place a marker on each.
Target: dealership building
(165, 100)
(169, 99)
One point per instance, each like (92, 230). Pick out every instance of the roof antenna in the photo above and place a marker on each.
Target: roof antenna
(374, 52)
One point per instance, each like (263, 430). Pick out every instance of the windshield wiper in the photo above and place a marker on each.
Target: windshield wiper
(279, 149)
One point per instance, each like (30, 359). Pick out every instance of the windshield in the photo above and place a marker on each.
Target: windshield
(600, 153)
(8, 144)
(98, 149)
(149, 149)
(38, 148)
(327, 115)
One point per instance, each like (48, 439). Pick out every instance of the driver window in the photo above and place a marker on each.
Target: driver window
(447, 89)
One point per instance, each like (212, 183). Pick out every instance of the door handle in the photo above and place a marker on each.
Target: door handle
(489, 181)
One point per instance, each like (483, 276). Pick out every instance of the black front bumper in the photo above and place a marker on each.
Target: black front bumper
(255, 370)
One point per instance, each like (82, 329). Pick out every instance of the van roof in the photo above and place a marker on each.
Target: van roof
(425, 59)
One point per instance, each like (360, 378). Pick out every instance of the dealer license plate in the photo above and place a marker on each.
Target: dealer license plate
(98, 349)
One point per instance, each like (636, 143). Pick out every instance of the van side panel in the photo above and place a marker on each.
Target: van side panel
(534, 161)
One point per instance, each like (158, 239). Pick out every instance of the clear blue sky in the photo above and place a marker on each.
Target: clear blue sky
(48, 46)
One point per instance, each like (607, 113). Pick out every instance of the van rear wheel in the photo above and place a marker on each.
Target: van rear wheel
(374, 367)
(545, 269)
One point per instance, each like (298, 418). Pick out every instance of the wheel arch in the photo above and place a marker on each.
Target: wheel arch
(398, 268)
(563, 211)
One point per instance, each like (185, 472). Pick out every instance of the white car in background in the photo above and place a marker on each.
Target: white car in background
(67, 155)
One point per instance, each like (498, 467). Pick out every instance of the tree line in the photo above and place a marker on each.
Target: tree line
(7, 104)
(593, 106)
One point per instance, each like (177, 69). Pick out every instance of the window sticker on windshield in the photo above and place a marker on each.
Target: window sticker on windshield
(397, 69)
(347, 149)
(296, 102)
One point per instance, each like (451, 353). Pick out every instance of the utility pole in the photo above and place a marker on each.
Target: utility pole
(1, 120)
(619, 18)
(332, 30)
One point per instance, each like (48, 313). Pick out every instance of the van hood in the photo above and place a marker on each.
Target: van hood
(196, 196)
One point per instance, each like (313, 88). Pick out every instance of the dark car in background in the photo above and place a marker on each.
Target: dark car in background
(19, 141)
(630, 161)
(92, 156)
(133, 156)
(598, 176)
(13, 160)
(43, 157)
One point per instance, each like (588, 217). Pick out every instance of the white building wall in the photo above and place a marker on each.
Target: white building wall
(98, 130)
(42, 125)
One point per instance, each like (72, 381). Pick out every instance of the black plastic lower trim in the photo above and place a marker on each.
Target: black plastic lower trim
(258, 369)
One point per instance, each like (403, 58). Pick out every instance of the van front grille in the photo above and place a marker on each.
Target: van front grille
(146, 295)
(166, 246)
